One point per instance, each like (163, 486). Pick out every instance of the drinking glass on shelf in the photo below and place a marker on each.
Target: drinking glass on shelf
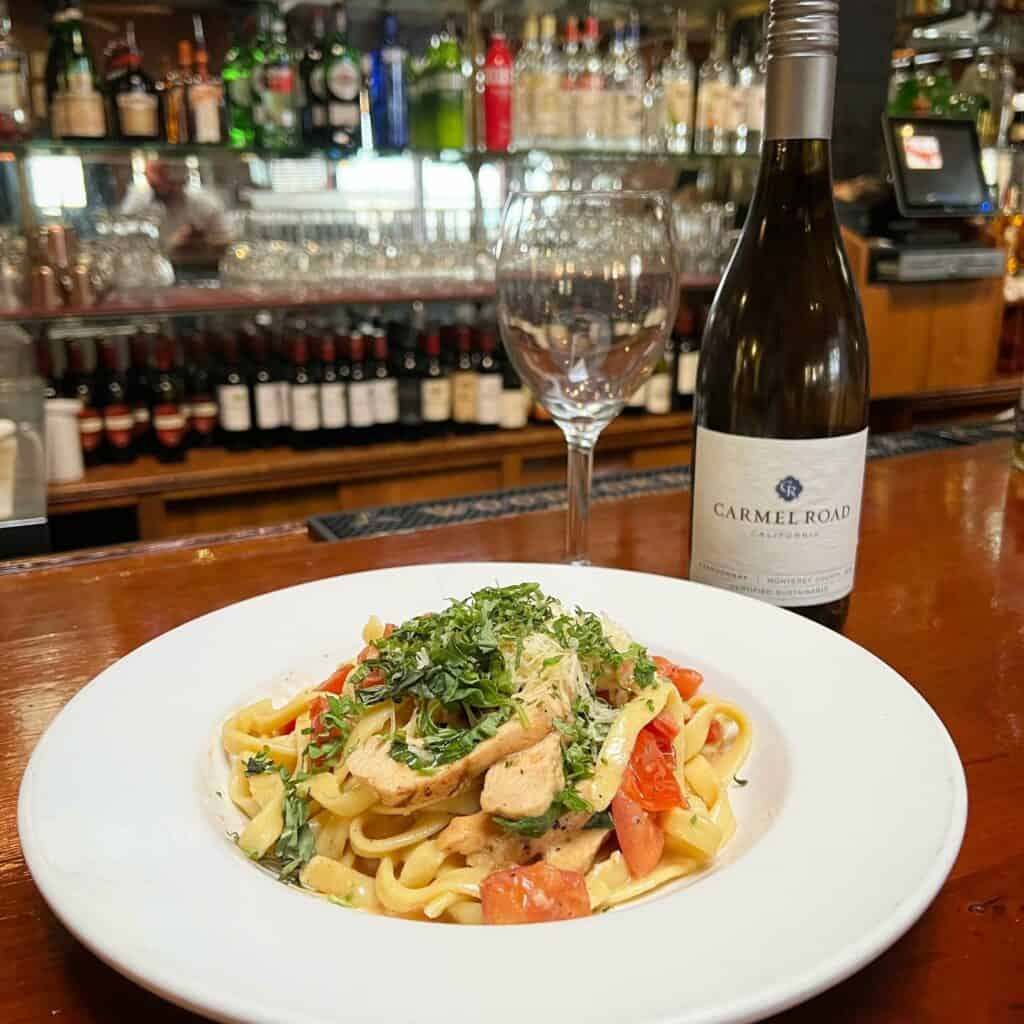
(588, 286)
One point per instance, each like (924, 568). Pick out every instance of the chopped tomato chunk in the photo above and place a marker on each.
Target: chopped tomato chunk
(640, 837)
(686, 680)
(389, 629)
(650, 779)
(714, 731)
(373, 678)
(334, 683)
(664, 725)
(368, 652)
(539, 892)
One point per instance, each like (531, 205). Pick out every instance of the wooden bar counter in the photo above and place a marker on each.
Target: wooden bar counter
(940, 596)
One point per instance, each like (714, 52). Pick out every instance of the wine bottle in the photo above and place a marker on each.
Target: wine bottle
(782, 386)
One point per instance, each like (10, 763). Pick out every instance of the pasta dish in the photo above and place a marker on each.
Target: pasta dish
(503, 761)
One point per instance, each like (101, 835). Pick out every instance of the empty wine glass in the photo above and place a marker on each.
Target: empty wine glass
(588, 287)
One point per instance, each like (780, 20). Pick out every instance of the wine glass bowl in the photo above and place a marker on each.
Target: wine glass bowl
(588, 288)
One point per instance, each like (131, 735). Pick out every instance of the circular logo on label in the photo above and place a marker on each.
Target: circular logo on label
(344, 81)
(789, 488)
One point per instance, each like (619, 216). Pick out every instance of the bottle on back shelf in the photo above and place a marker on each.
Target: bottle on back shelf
(237, 76)
(686, 340)
(489, 379)
(234, 397)
(660, 386)
(464, 374)
(81, 384)
(304, 393)
(435, 387)
(385, 389)
(782, 386)
(410, 402)
(313, 115)
(139, 372)
(389, 111)
(714, 95)
(515, 399)
(333, 391)
(677, 76)
(175, 91)
(201, 393)
(739, 119)
(613, 131)
(498, 83)
(360, 391)
(277, 128)
(15, 112)
(589, 92)
(170, 429)
(449, 86)
(205, 95)
(343, 80)
(134, 102)
(76, 103)
(266, 391)
(549, 123)
(633, 89)
(572, 57)
(113, 401)
(524, 75)
(755, 96)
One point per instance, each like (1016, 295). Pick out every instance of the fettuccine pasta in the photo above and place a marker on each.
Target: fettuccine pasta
(505, 760)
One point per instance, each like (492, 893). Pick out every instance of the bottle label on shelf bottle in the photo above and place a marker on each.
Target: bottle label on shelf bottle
(235, 416)
(777, 519)
(118, 425)
(385, 401)
(686, 373)
(679, 95)
(240, 92)
(659, 394)
(548, 107)
(203, 416)
(90, 429)
(12, 95)
(360, 404)
(83, 115)
(713, 105)
(305, 412)
(513, 409)
(629, 115)
(268, 405)
(169, 424)
(638, 400)
(464, 392)
(589, 107)
(205, 100)
(488, 400)
(436, 399)
(333, 405)
(137, 112)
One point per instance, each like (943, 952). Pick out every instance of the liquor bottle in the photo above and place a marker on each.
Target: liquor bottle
(113, 401)
(304, 378)
(205, 95)
(435, 387)
(489, 382)
(234, 397)
(15, 114)
(464, 377)
(237, 77)
(590, 90)
(389, 110)
(573, 62)
(755, 95)
(81, 384)
(714, 93)
(138, 387)
(498, 91)
(175, 94)
(687, 345)
(266, 392)
(168, 398)
(76, 104)
(677, 76)
(313, 115)
(277, 128)
(360, 392)
(419, 123)
(630, 93)
(739, 112)
(386, 411)
(201, 393)
(549, 124)
(524, 75)
(449, 92)
(333, 393)
(410, 401)
(660, 385)
(655, 113)
(782, 386)
(515, 399)
(342, 80)
(135, 105)
(613, 131)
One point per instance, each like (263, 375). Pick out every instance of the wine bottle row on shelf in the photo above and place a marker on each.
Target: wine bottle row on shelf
(301, 83)
(312, 384)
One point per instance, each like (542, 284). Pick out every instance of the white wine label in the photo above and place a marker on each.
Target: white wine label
(464, 396)
(659, 394)
(436, 399)
(233, 400)
(686, 373)
(305, 407)
(268, 405)
(777, 520)
(638, 399)
(513, 409)
(333, 406)
(385, 400)
(488, 400)
(205, 99)
(679, 95)
(360, 404)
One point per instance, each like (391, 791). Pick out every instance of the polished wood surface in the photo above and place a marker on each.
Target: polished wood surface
(940, 596)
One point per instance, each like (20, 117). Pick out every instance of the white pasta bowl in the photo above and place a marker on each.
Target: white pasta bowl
(123, 824)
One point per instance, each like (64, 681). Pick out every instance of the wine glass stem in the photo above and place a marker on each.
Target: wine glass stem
(577, 530)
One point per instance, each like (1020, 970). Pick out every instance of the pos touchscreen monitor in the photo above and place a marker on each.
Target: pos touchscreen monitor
(936, 167)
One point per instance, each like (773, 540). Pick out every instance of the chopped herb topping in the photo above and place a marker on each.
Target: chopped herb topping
(739, 781)
(260, 763)
(334, 728)
(566, 801)
(603, 819)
